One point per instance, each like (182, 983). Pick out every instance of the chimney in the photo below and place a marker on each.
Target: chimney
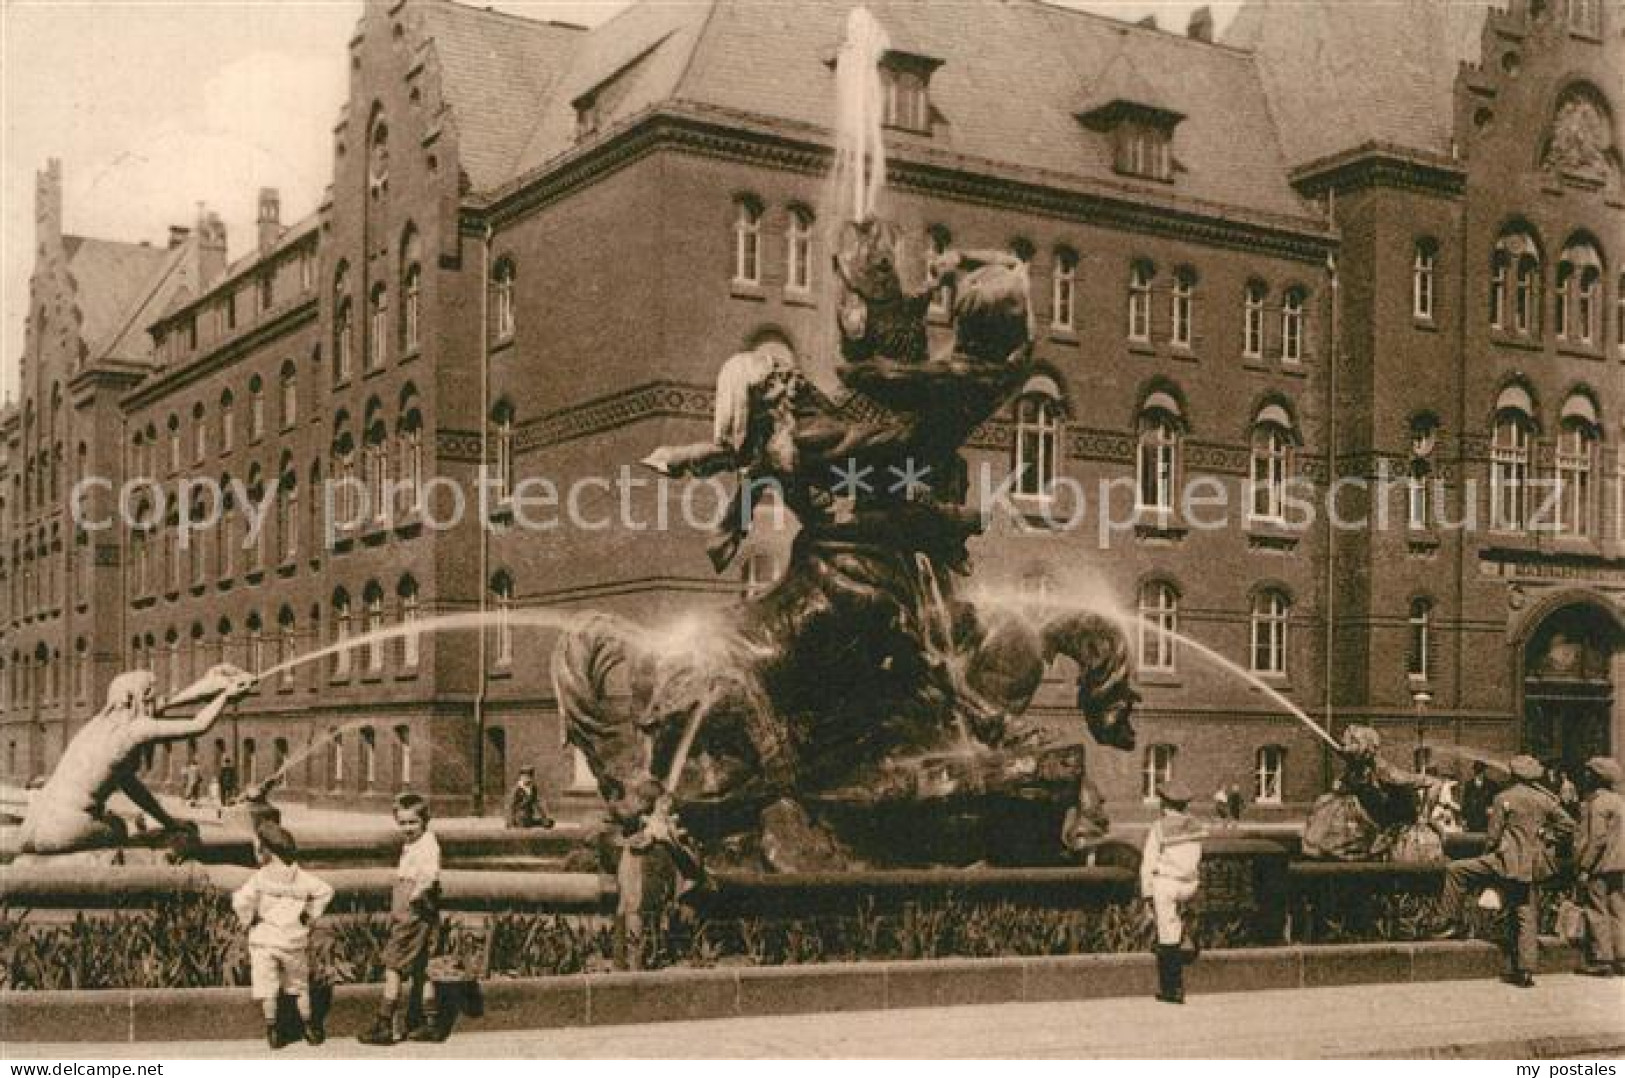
(178, 234)
(1200, 28)
(48, 204)
(211, 247)
(270, 217)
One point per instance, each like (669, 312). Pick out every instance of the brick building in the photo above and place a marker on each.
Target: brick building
(540, 242)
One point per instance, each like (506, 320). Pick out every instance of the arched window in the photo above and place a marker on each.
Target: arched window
(502, 597)
(403, 757)
(288, 394)
(346, 499)
(1423, 262)
(1419, 510)
(256, 409)
(287, 644)
(409, 453)
(799, 255)
(254, 545)
(502, 465)
(373, 596)
(1063, 290)
(747, 242)
(256, 644)
(1037, 447)
(411, 292)
(1619, 313)
(1156, 770)
(1183, 309)
(1576, 464)
(287, 512)
(1157, 455)
(343, 326)
(1270, 612)
(1269, 774)
(200, 434)
(1139, 301)
(1271, 471)
(341, 633)
(407, 591)
(1159, 621)
(377, 326)
(1575, 306)
(369, 758)
(1509, 466)
(1292, 307)
(335, 758)
(174, 447)
(1419, 641)
(502, 297)
(1526, 296)
(375, 462)
(1252, 338)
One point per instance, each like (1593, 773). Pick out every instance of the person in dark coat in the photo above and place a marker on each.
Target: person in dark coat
(228, 780)
(1526, 823)
(1476, 795)
(1599, 863)
(525, 808)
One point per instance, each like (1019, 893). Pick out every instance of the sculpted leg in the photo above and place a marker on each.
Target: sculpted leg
(65, 832)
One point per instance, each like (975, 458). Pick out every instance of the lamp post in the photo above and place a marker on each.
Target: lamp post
(1421, 698)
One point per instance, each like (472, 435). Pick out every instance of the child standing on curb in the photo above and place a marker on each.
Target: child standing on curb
(1169, 875)
(414, 914)
(278, 905)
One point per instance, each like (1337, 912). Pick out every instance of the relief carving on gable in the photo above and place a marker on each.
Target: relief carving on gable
(1581, 141)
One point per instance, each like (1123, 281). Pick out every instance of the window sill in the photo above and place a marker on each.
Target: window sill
(1272, 535)
(1523, 342)
(288, 567)
(410, 527)
(1424, 323)
(411, 353)
(254, 576)
(1572, 546)
(1162, 679)
(937, 316)
(751, 290)
(1422, 540)
(1141, 348)
(502, 672)
(1254, 363)
(375, 532)
(199, 587)
(1580, 350)
(1154, 526)
(409, 674)
(1296, 368)
(1512, 542)
(372, 678)
(1064, 335)
(799, 297)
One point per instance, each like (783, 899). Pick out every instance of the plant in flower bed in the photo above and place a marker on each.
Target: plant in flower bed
(195, 941)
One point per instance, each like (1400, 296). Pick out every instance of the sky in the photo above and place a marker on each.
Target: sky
(156, 106)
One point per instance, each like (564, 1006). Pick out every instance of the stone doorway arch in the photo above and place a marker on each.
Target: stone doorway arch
(1570, 659)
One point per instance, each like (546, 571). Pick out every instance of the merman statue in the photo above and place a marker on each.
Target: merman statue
(70, 813)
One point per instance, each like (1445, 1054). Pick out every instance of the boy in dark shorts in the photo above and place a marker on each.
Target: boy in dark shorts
(414, 914)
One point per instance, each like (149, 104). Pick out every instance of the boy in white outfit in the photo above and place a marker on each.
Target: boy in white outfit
(1169, 875)
(277, 905)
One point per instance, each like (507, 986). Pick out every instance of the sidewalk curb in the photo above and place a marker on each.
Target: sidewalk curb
(191, 1014)
(1570, 1046)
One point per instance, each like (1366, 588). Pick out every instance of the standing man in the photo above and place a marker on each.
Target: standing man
(1599, 861)
(1476, 795)
(1526, 822)
(191, 782)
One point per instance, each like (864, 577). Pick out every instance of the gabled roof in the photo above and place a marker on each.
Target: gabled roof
(1014, 75)
(119, 288)
(496, 72)
(1341, 75)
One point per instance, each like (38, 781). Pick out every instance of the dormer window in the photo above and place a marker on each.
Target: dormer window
(1127, 110)
(905, 79)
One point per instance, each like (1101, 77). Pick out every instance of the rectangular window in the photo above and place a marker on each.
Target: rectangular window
(1062, 297)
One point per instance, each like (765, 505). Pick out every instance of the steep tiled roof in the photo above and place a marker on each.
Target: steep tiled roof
(1341, 75)
(119, 289)
(645, 48)
(496, 72)
(1014, 74)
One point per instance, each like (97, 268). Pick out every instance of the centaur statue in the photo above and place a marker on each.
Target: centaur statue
(861, 667)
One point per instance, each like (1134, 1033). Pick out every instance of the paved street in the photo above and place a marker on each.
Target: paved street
(1565, 1016)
